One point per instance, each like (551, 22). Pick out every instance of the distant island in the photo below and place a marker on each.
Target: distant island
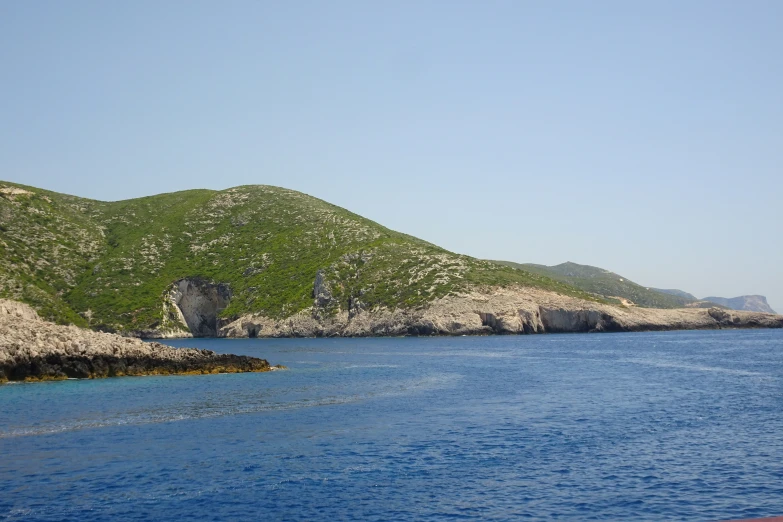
(261, 261)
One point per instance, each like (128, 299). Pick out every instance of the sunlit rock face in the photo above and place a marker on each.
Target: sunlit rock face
(199, 302)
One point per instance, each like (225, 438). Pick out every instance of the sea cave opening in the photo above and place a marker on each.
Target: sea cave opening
(200, 302)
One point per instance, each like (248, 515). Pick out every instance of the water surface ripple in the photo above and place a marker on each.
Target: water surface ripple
(652, 426)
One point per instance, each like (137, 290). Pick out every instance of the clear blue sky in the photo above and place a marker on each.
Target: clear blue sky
(643, 137)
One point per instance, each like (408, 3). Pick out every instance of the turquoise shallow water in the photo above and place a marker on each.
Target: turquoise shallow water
(646, 426)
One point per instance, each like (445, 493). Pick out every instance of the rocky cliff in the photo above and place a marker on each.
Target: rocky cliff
(516, 310)
(751, 303)
(33, 349)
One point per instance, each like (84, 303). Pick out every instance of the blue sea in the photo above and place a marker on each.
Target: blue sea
(642, 426)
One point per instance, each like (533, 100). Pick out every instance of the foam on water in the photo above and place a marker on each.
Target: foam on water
(247, 404)
(663, 363)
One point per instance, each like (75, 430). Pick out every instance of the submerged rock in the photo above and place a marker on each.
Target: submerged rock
(32, 349)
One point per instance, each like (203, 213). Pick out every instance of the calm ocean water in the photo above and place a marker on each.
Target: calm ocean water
(646, 426)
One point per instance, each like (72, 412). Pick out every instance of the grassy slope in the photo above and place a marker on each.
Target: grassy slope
(47, 240)
(604, 283)
(114, 262)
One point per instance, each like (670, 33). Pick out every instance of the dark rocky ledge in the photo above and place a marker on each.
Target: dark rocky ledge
(33, 350)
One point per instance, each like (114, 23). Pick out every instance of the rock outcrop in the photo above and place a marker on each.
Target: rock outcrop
(32, 349)
(199, 302)
(497, 311)
(16, 310)
(322, 294)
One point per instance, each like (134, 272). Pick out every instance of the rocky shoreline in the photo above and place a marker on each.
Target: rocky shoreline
(496, 311)
(35, 350)
(32, 349)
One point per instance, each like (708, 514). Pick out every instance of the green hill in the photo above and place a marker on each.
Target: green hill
(604, 283)
(678, 293)
(112, 265)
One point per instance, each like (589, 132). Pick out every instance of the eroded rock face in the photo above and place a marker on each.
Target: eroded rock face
(565, 320)
(495, 311)
(200, 302)
(322, 294)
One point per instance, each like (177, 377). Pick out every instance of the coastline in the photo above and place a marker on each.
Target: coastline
(35, 350)
(496, 311)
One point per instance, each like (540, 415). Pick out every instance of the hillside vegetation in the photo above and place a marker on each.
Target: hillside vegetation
(606, 284)
(678, 293)
(112, 265)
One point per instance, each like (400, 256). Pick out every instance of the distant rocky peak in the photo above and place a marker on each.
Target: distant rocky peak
(750, 303)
